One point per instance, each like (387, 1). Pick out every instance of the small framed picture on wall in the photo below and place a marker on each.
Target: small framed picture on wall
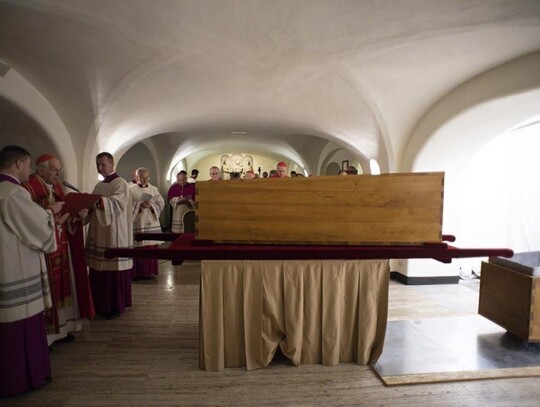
(345, 165)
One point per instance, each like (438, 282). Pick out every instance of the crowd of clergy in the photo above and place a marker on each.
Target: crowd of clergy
(52, 276)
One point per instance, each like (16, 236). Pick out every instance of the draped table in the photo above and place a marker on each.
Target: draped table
(256, 297)
(316, 311)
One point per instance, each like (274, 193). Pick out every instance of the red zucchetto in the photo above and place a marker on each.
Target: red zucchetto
(44, 157)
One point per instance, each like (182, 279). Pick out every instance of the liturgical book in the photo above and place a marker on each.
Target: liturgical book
(74, 202)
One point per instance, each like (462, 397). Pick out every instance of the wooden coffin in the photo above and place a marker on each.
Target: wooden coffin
(401, 208)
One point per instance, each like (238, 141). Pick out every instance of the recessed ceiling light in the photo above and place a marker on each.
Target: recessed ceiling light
(238, 132)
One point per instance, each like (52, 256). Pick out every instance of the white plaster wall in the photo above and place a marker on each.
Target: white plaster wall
(481, 183)
(493, 202)
(138, 156)
(335, 153)
(338, 158)
(22, 94)
(451, 138)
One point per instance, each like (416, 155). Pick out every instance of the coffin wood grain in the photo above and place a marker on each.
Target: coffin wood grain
(386, 209)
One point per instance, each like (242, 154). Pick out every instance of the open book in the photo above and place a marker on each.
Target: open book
(75, 201)
(184, 199)
(145, 197)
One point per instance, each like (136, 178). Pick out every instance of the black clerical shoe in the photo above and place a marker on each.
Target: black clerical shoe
(112, 315)
(45, 383)
(67, 338)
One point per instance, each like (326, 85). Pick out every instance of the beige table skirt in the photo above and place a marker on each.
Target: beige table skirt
(317, 311)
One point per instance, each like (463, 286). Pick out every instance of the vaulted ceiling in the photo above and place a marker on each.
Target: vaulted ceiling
(364, 75)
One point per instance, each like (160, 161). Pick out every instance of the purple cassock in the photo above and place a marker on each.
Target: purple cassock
(145, 268)
(111, 291)
(181, 190)
(24, 356)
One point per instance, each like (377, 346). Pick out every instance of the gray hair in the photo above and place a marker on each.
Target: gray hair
(142, 169)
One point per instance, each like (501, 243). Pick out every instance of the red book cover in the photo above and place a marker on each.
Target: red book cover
(74, 202)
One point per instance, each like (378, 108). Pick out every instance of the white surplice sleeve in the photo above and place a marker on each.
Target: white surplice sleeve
(33, 225)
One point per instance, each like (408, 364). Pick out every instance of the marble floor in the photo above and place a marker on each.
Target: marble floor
(453, 348)
(458, 345)
(149, 357)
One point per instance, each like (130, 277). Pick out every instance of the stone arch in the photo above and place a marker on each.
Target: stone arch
(332, 169)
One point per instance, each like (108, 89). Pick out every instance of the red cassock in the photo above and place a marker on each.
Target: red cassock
(69, 242)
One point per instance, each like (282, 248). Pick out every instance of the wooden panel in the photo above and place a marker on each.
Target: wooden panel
(534, 331)
(365, 209)
(505, 298)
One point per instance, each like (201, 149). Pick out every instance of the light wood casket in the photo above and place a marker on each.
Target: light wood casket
(403, 208)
